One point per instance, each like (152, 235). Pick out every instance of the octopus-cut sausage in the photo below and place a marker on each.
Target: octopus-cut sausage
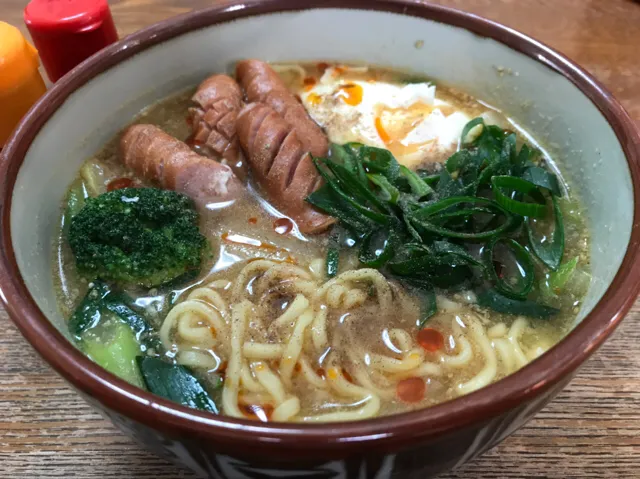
(262, 84)
(281, 164)
(163, 159)
(214, 121)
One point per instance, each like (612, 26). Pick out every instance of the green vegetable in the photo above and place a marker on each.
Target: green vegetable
(494, 300)
(559, 278)
(418, 186)
(333, 252)
(111, 332)
(519, 285)
(390, 192)
(468, 127)
(543, 178)
(377, 248)
(333, 261)
(176, 383)
(518, 185)
(143, 236)
(556, 281)
(117, 354)
(424, 216)
(427, 298)
(89, 313)
(427, 230)
(101, 300)
(75, 200)
(549, 250)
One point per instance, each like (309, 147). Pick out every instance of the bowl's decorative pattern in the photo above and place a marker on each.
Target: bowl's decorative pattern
(421, 461)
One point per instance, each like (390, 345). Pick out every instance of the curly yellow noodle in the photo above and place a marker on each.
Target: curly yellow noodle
(232, 322)
(269, 381)
(359, 372)
(286, 410)
(465, 351)
(262, 350)
(293, 349)
(310, 375)
(211, 297)
(316, 267)
(198, 359)
(370, 401)
(248, 272)
(401, 339)
(497, 330)
(295, 309)
(488, 373)
(247, 381)
(194, 312)
(239, 316)
(279, 271)
(516, 330)
(411, 360)
(505, 352)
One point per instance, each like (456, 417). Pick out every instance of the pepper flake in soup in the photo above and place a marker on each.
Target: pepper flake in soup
(315, 242)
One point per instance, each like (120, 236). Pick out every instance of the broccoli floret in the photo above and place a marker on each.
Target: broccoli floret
(143, 236)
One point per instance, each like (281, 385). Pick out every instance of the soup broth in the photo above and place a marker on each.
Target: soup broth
(269, 335)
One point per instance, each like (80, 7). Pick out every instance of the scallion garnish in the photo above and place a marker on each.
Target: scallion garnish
(450, 229)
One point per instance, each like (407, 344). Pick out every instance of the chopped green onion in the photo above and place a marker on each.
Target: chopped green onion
(327, 200)
(518, 185)
(417, 226)
(559, 278)
(468, 127)
(333, 184)
(391, 193)
(377, 248)
(502, 304)
(543, 178)
(353, 184)
(550, 252)
(418, 186)
(524, 265)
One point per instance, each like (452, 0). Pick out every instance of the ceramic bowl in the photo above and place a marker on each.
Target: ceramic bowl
(563, 106)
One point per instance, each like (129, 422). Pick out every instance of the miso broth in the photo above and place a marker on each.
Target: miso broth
(270, 334)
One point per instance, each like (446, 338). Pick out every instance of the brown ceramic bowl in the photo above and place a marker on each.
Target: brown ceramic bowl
(582, 122)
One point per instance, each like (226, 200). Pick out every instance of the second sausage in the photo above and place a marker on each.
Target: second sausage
(262, 84)
(281, 165)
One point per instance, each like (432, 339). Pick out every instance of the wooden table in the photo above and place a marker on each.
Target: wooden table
(591, 430)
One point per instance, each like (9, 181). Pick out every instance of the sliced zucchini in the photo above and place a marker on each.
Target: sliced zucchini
(117, 354)
(176, 383)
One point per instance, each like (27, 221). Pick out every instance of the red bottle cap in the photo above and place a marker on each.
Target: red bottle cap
(66, 32)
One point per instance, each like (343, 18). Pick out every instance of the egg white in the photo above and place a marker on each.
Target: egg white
(406, 119)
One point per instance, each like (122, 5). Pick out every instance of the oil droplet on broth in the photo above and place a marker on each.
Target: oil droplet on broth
(283, 226)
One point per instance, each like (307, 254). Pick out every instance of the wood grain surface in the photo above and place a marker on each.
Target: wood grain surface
(592, 430)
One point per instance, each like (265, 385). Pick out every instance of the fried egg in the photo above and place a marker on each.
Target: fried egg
(406, 119)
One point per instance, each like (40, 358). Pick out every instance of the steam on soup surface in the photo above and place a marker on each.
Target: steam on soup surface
(422, 251)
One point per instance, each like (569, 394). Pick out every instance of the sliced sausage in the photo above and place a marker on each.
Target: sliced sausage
(262, 84)
(219, 99)
(163, 159)
(281, 164)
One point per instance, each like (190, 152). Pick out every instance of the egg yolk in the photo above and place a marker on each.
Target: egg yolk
(394, 124)
(350, 93)
(314, 99)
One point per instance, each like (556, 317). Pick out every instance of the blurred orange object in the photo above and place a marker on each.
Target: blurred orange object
(20, 81)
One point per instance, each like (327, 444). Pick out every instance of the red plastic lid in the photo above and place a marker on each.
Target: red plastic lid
(71, 15)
